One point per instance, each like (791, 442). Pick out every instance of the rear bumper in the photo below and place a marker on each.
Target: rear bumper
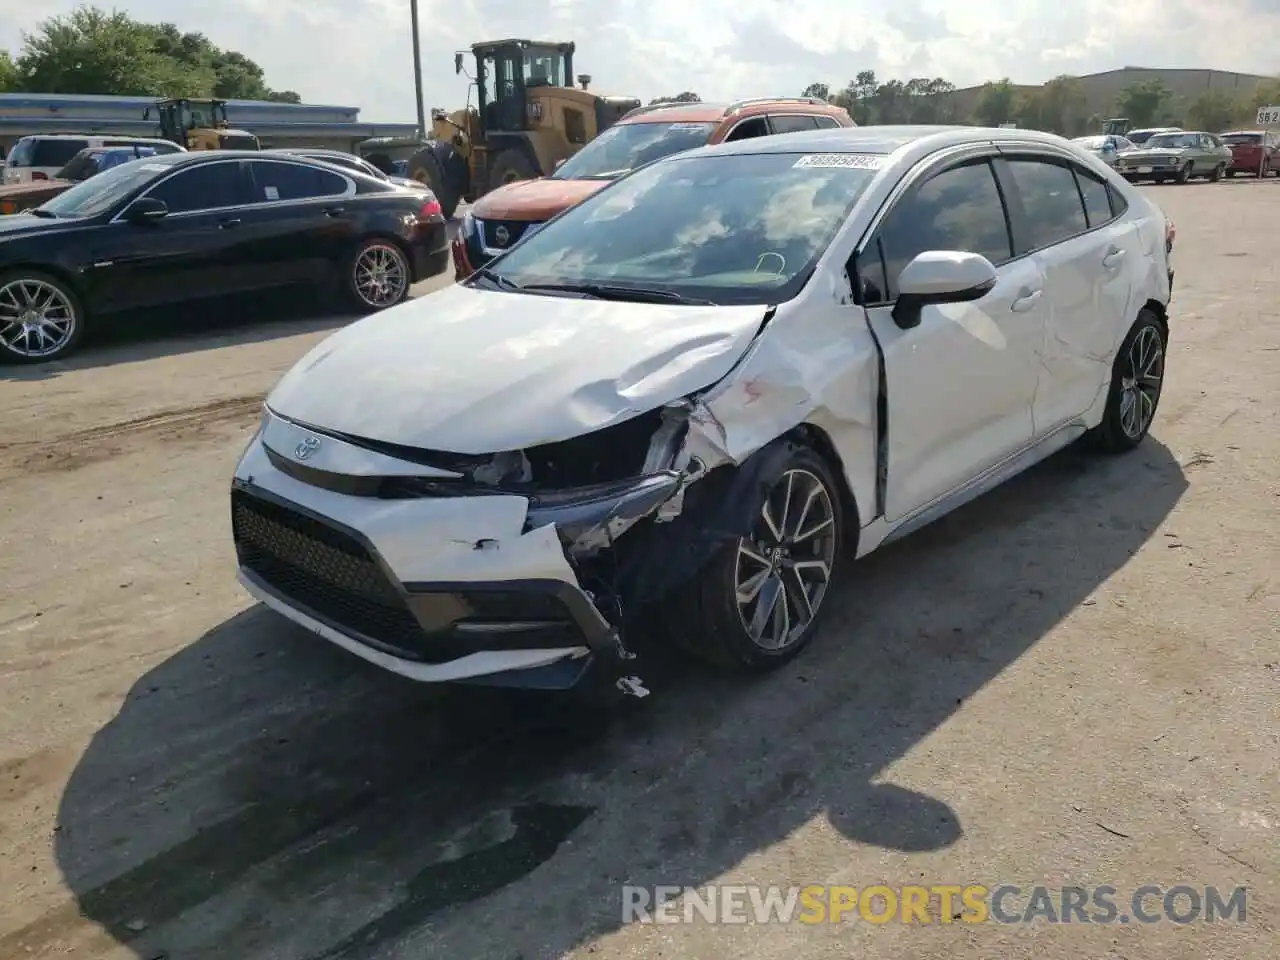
(431, 252)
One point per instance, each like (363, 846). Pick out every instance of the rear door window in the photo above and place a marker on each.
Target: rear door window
(1097, 198)
(55, 153)
(826, 122)
(792, 123)
(1051, 200)
(273, 181)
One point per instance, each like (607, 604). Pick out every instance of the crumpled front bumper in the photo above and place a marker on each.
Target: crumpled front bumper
(434, 588)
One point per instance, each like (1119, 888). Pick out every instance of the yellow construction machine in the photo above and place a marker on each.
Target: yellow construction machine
(200, 125)
(528, 117)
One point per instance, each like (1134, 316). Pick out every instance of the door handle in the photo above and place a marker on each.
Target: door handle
(1113, 257)
(229, 224)
(334, 211)
(1026, 302)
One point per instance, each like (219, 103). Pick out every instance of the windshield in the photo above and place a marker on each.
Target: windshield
(97, 195)
(1173, 141)
(625, 146)
(1237, 139)
(733, 228)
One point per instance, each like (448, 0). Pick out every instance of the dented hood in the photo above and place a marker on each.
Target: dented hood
(478, 371)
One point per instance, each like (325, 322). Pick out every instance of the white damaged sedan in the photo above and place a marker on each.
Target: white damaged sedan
(697, 393)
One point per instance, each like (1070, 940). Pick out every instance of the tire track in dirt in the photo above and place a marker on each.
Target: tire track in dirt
(73, 451)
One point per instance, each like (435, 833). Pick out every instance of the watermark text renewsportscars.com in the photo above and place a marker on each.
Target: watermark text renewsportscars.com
(939, 903)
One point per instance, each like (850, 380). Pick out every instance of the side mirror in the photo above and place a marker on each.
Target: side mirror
(146, 210)
(941, 276)
(457, 63)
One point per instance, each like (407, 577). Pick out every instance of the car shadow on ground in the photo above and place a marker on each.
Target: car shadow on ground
(189, 328)
(262, 794)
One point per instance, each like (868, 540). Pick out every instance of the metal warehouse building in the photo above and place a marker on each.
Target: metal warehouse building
(275, 124)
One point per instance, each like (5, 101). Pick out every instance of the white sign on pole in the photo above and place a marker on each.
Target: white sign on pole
(1268, 116)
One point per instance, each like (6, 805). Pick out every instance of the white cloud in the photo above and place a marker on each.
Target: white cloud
(360, 53)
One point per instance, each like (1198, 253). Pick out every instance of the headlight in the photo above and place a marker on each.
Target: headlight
(584, 515)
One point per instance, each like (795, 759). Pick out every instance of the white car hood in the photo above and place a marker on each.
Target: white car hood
(478, 371)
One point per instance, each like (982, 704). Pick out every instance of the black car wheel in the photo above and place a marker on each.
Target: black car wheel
(41, 318)
(756, 603)
(1183, 175)
(378, 275)
(1217, 174)
(1137, 381)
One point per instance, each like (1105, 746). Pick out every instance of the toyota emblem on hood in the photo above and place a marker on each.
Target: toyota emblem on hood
(307, 448)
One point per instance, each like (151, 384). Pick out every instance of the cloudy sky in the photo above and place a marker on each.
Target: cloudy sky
(358, 52)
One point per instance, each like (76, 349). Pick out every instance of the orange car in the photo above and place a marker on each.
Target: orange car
(502, 216)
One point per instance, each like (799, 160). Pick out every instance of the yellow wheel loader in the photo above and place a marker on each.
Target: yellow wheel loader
(528, 117)
(200, 125)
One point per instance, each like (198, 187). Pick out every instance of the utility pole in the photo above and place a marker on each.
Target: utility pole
(417, 71)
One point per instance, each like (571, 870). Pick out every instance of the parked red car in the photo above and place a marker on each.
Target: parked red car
(1253, 152)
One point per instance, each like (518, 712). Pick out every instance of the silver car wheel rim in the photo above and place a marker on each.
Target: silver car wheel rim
(36, 318)
(1140, 382)
(784, 568)
(381, 275)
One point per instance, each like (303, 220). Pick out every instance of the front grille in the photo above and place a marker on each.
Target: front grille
(333, 576)
(500, 234)
(322, 569)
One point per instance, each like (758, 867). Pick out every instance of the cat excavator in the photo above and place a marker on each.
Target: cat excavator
(528, 117)
(200, 125)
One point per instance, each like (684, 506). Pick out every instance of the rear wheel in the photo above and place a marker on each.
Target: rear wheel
(377, 276)
(41, 318)
(1217, 174)
(1137, 381)
(510, 166)
(756, 603)
(1230, 174)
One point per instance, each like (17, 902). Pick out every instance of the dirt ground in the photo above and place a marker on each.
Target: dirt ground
(1074, 681)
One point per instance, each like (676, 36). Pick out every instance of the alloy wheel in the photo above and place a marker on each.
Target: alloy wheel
(784, 568)
(1141, 382)
(381, 275)
(36, 318)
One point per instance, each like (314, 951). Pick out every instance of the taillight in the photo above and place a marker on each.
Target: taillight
(431, 209)
(37, 175)
(1170, 234)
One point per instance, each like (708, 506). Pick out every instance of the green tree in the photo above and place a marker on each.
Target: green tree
(688, 96)
(997, 103)
(9, 79)
(1143, 102)
(1058, 106)
(930, 101)
(819, 90)
(94, 51)
(1214, 110)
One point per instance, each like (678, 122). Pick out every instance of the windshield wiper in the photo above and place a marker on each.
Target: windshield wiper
(605, 291)
(45, 214)
(501, 281)
(607, 175)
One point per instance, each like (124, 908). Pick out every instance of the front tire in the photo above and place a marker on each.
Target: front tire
(1137, 382)
(510, 166)
(41, 318)
(755, 605)
(427, 169)
(377, 275)
(1183, 175)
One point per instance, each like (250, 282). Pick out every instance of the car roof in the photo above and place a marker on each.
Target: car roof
(702, 112)
(877, 139)
(1236, 133)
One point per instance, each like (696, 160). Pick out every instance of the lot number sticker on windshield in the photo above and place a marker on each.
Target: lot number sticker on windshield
(154, 167)
(687, 126)
(858, 161)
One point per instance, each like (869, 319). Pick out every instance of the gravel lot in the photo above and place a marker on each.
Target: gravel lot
(1075, 680)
